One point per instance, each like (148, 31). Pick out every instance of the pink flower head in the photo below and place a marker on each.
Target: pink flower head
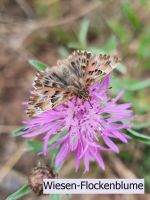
(91, 126)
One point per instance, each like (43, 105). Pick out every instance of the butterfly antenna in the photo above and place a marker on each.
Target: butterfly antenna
(90, 102)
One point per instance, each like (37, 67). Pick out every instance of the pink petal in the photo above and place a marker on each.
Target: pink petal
(110, 144)
(99, 159)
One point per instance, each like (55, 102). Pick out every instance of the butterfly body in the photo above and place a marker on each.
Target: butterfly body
(70, 77)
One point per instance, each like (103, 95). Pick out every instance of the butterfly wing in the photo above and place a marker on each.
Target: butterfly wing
(98, 67)
(45, 96)
(74, 68)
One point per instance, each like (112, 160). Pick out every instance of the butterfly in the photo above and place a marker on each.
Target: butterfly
(70, 77)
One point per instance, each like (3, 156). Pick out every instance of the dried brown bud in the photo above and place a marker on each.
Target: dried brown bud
(36, 177)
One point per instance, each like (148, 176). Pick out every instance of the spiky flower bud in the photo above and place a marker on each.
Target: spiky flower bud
(36, 177)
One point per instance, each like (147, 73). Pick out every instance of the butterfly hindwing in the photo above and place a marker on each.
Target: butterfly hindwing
(40, 102)
(98, 67)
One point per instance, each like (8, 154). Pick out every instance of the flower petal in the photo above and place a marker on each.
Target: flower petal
(110, 144)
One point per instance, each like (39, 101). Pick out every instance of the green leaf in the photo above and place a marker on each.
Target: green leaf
(34, 146)
(20, 193)
(82, 36)
(138, 136)
(140, 105)
(131, 14)
(140, 85)
(57, 169)
(37, 146)
(97, 50)
(144, 45)
(121, 68)
(18, 132)
(129, 84)
(119, 29)
(38, 65)
(75, 45)
(54, 138)
(111, 44)
(141, 126)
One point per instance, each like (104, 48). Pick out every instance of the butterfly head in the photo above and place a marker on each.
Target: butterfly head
(83, 94)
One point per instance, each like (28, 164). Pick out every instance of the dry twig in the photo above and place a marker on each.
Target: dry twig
(21, 31)
(8, 128)
(12, 161)
(26, 8)
(118, 166)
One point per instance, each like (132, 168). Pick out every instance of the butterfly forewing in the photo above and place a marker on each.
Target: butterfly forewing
(45, 96)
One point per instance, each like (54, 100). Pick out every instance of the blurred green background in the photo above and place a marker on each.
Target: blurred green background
(50, 29)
